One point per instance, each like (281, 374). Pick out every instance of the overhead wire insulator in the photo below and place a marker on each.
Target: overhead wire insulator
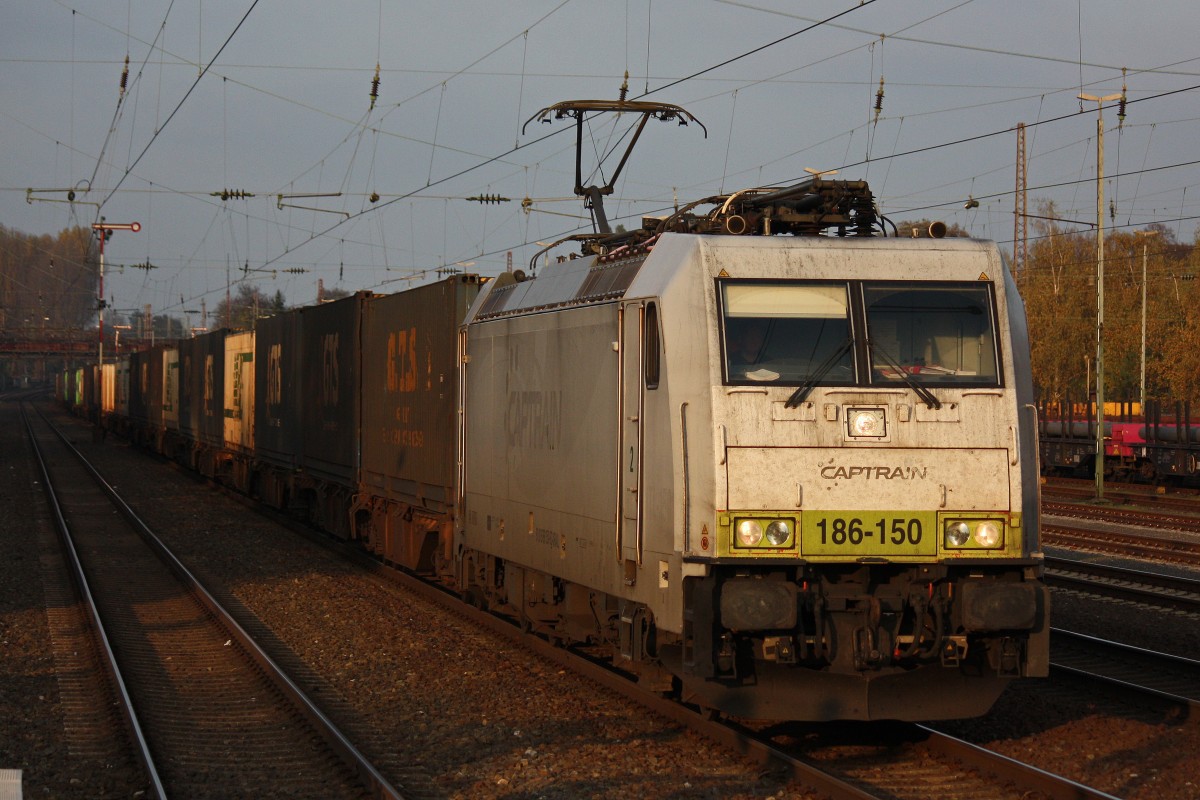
(1121, 104)
(124, 77)
(232, 194)
(625, 87)
(375, 87)
(488, 199)
(295, 270)
(879, 100)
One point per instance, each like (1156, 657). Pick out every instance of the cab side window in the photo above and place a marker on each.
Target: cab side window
(651, 362)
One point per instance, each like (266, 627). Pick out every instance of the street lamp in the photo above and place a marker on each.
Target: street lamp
(1100, 101)
(1141, 235)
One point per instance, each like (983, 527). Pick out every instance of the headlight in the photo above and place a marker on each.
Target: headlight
(866, 422)
(957, 533)
(988, 533)
(778, 533)
(749, 533)
(982, 534)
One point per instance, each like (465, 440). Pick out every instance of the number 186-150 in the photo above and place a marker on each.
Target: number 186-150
(894, 530)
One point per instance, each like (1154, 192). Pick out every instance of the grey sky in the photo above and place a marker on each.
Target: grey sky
(285, 110)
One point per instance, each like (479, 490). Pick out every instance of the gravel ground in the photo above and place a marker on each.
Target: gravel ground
(42, 678)
(465, 716)
(1122, 744)
(462, 714)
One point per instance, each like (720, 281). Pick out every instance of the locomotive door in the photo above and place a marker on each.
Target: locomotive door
(629, 461)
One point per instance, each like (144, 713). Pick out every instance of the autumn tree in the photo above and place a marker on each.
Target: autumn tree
(249, 304)
(48, 282)
(1058, 285)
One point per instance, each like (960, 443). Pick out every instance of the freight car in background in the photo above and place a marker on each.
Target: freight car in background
(778, 472)
(354, 416)
(1161, 446)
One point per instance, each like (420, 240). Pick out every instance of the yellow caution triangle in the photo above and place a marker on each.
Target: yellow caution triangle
(983, 276)
(722, 274)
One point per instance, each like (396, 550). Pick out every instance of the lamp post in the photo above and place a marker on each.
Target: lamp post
(1100, 101)
(1141, 235)
(1099, 287)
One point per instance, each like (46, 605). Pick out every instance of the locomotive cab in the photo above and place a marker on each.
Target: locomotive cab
(873, 546)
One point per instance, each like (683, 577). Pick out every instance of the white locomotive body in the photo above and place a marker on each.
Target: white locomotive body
(796, 474)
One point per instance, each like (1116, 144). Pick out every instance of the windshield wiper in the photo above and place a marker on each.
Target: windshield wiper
(801, 393)
(922, 392)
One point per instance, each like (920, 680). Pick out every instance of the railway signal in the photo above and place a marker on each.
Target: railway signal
(105, 230)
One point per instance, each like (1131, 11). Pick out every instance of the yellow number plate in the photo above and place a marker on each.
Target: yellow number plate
(868, 533)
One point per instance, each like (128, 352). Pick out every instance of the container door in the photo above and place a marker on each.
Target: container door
(630, 457)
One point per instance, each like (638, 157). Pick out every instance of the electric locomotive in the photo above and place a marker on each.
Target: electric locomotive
(784, 465)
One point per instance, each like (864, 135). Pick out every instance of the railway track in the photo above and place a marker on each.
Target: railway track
(1149, 588)
(1162, 675)
(209, 713)
(876, 761)
(898, 760)
(1125, 543)
(1123, 516)
(1059, 493)
(921, 762)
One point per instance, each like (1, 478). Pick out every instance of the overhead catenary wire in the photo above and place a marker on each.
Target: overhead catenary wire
(441, 144)
(506, 153)
(182, 100)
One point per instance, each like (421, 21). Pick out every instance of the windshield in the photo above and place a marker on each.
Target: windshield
(801, 333)
(786, 332)
(936, 334)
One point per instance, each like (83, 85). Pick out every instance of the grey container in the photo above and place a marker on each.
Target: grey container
(409, 389)
(328, 385)
(277, 403)
(146, 385)
(202, 388)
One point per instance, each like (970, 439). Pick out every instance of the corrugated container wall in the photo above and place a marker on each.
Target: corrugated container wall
(108, 388)
(139, 384)
(169, 393)
(121, 405)
(87, 396)
(201, 391)
(79, 386)
(329, 382)
(278, 402)
(150, 383)
(409, 387)
(239, 391)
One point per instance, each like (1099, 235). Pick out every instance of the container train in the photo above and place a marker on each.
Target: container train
(777, 463)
